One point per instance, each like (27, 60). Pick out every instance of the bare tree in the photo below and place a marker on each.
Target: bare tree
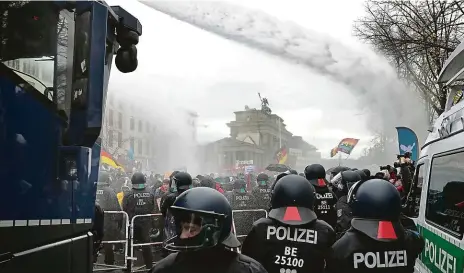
(417, 37)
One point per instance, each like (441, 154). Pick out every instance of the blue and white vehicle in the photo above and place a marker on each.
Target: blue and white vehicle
(55, 65)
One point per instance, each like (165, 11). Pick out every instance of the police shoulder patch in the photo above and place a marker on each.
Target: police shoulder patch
(339, 213)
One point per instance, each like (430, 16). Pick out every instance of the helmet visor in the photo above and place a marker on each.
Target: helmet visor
(194, 230)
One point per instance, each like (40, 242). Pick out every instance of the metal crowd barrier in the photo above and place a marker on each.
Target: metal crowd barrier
(106, 267)
(129, 244)
(133, 245)
(245, 210)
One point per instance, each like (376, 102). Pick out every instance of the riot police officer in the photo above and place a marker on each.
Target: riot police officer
(240, 199)
(262, 193)
(180, 182)
(362, 175)
(97, 230)
(291, 239)
(376, 242)
(203, 237)
(140, 201)
(108, 201)
(343, 182)
(325, 205)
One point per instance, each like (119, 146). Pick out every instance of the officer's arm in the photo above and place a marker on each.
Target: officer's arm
(251, 246)
(334, 263)
(125, 202)
(257, 268)
(415, 241)
(165, 204)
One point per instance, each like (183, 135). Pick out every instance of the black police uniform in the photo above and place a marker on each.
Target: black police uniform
(343, 182)
(262, 193)
(108, 201)
(208, 251)
(291, 239)
(179, 182)
(325, 204)
(97, 230)
(376, 242)
(240, 199)
(140, 201)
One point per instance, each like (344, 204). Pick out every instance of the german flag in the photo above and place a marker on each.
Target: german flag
(106, 158)
(282, 155)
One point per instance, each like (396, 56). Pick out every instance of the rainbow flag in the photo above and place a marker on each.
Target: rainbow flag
(334, 151)
(347, 145)
(106, 158)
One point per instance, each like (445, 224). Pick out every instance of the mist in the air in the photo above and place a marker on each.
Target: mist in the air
(384, 99)
(173, 137)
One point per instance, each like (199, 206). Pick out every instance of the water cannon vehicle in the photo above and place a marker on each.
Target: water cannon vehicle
(56, 58)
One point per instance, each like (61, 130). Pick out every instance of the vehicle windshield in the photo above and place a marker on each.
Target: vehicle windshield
(29, 34)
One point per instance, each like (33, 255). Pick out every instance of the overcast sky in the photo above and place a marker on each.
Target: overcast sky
(182, 66)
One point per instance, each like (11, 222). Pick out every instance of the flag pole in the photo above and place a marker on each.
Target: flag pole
(339, 158)
(280, 134)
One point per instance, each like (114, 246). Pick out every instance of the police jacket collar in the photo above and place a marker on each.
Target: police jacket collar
(379, 230)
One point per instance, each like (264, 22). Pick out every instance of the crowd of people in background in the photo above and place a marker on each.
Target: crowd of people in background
(312, 194)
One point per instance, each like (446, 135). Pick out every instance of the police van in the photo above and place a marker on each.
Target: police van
(437, 194)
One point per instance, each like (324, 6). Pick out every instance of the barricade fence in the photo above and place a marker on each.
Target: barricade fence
(241, 225)
(109, 238)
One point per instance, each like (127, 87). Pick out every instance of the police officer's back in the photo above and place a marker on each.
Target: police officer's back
(202, 237)
(343, 182)
(140, 201)
(376, 242)
(291, 239)
(325, 205)
(262, 192)
(239, 198)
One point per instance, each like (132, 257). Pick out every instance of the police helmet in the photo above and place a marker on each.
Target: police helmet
(376, 209)
(363, 175)
(203, 218)
(262, 179)
(182, 181)
(367, 172)
(138, 180)
(195, 182)
(292, 201)
(315, 173)
(104, 177)
(345, 180)
(172, 187)
(291, 171)
(240, 185)
(278, 177)
(207, 182)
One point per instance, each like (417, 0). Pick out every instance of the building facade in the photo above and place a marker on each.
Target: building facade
(131, 134)
(127, 133)
(255, 138)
